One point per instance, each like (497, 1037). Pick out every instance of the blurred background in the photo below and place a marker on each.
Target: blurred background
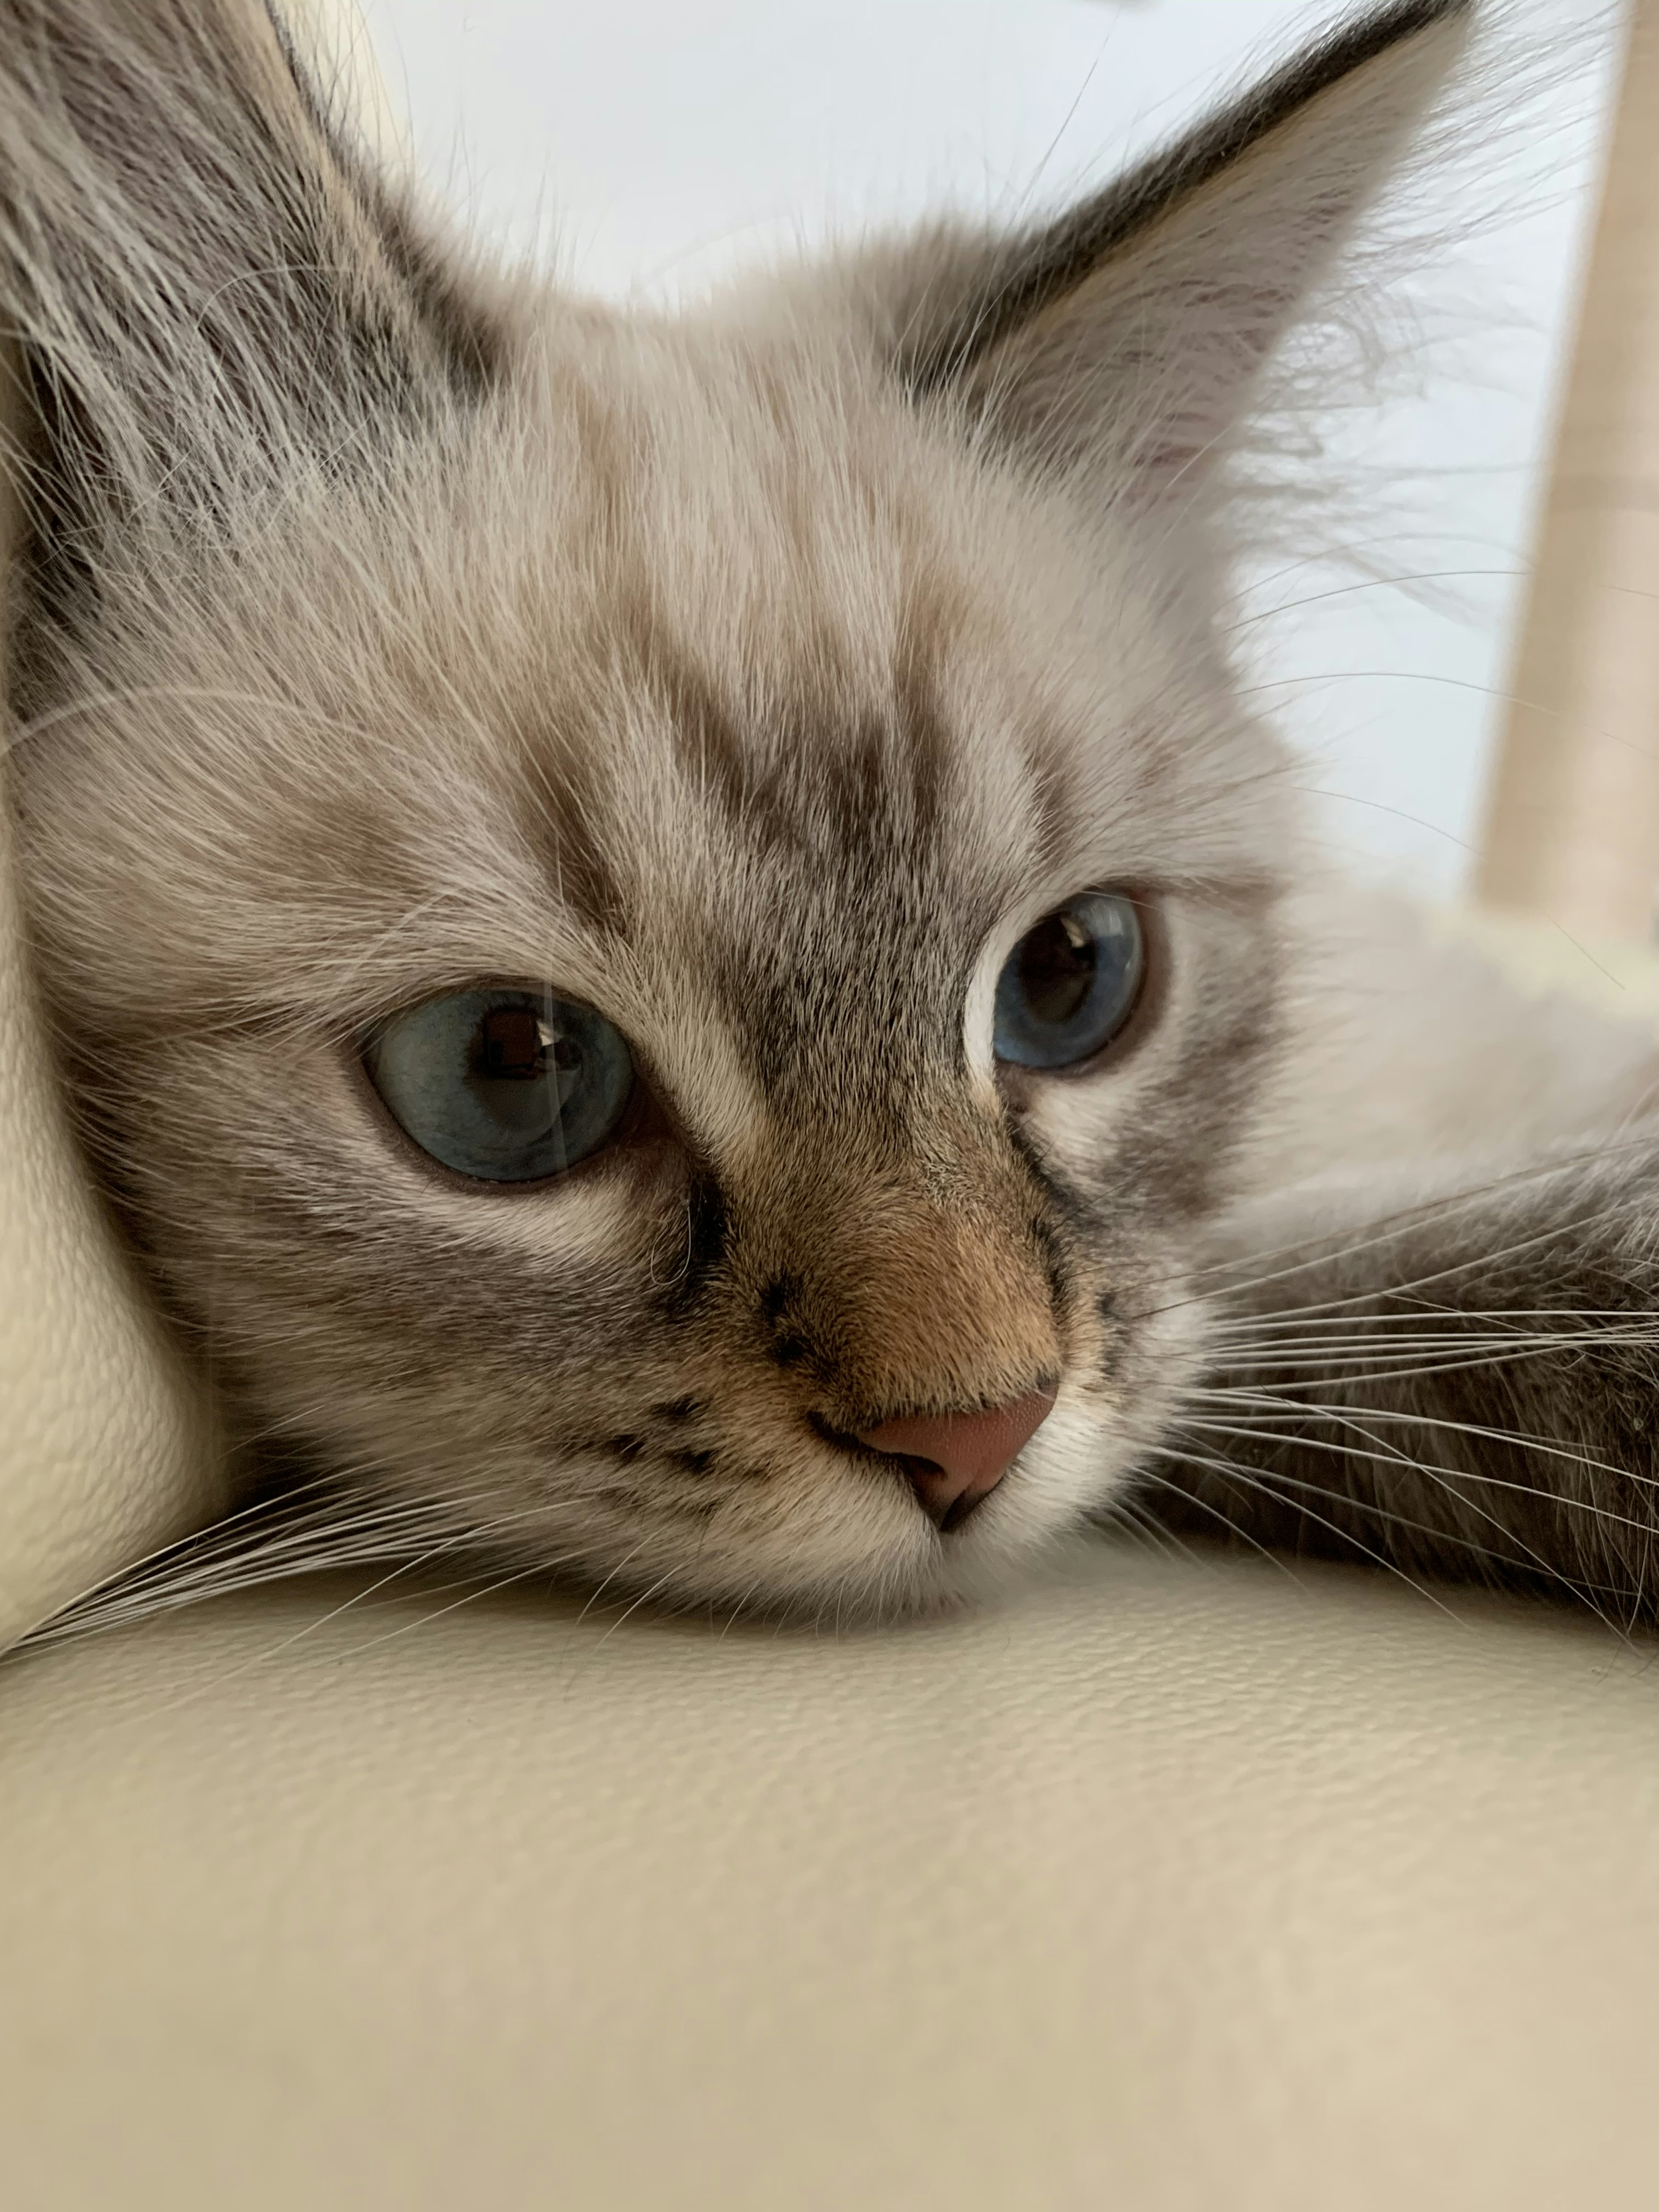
(647, 146)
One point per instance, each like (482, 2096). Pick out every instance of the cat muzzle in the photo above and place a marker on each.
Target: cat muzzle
(955, 1461)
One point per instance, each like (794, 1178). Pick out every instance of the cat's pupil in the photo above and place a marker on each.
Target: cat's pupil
(512, 1047)
(1056, 968)
(515, 1045)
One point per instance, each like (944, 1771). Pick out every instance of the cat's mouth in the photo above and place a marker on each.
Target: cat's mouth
(952, 1461)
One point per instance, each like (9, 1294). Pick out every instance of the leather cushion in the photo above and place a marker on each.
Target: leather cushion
(105, 1448)
(1166, 1886)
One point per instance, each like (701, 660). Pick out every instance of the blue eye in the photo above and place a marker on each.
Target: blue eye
(506, 1085)
(1071, 984)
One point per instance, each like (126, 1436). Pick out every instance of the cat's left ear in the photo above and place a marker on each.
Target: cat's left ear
(1126, 337)
(203, 283)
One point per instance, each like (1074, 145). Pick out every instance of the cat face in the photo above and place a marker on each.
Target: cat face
(757, 682)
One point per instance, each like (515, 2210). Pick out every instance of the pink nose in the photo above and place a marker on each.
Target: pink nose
(955, 1460)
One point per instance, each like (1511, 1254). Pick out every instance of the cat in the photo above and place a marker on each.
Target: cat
(670, 934)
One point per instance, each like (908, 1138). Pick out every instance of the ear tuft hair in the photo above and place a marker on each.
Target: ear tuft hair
(204, 283)
(1127, 334)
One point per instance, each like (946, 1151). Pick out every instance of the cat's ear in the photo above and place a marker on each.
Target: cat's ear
(201, 278)
(1128, 334)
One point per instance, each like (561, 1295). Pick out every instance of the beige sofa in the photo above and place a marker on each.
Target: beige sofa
(1172, 1883)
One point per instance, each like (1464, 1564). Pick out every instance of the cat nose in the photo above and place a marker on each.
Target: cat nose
(955, 1461)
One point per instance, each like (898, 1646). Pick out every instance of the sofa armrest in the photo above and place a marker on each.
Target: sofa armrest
(1170, 1885)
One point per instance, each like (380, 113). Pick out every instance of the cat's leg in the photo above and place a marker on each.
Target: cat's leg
(1455, 1375)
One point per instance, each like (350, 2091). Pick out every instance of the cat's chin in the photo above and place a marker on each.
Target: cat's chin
(1067, 1476)
(796, 1532)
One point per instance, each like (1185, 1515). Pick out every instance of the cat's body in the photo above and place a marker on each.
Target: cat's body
(742, 696)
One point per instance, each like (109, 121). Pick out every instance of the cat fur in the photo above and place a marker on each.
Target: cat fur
(759, 674)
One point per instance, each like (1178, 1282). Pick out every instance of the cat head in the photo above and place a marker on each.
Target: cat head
(663, 928)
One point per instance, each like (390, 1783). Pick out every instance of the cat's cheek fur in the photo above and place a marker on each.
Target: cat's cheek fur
(510, 1373)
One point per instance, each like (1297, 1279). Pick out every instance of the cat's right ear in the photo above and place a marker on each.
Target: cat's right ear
(202, 282)
(1125, 339)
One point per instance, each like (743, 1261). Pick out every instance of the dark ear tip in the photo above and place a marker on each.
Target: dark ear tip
(1029, 274)
(1364, 37)
(1399, 19)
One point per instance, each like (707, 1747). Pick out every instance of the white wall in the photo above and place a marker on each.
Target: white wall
(653, 143)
